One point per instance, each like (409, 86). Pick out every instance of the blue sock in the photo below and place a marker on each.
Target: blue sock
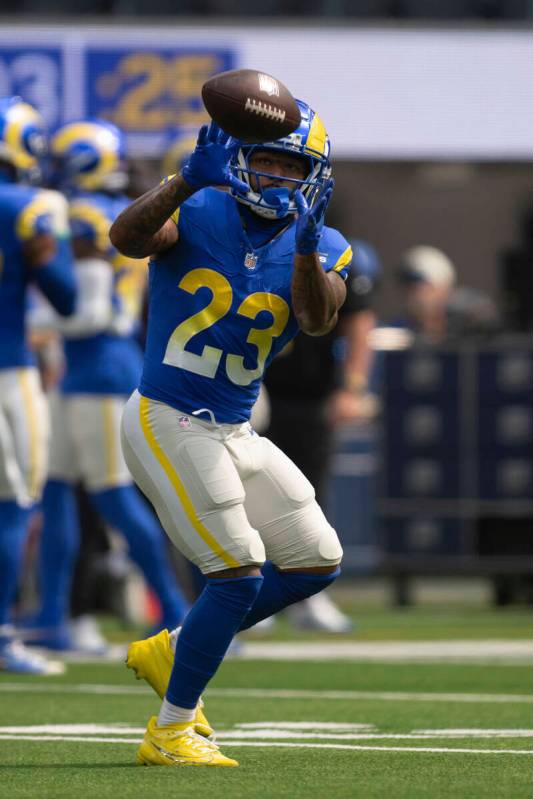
(13, 529)
(58, 549)
(281, 589)
(206, 635)
(124, 508)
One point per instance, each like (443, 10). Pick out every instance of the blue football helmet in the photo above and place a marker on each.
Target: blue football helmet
(366, 261)
(89, 155)
(310, 141)
(23, 139)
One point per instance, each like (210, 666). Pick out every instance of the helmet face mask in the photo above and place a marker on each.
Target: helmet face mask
(309, 141)
(89, 156)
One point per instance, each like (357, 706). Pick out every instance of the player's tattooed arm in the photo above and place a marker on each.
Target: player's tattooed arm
(316, 295)
(145, 226)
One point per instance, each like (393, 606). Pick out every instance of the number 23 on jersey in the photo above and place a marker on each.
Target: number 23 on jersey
(207, 362)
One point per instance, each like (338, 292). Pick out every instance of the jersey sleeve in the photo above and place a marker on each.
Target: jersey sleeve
(335, 253)
(90, 222)
(359, 294)
(45, 213)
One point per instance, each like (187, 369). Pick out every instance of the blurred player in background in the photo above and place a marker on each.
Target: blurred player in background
(34, 248)
(435, 308)
(315, 387)
(233, 277)
(103, 366)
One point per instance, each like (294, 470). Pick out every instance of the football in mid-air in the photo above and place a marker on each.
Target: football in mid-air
(251, 105)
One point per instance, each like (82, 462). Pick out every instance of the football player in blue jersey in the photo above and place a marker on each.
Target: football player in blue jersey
(103, 366)
(34, 248)
(234, 274)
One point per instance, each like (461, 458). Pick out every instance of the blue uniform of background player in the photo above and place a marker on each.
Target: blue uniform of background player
(34, 248)
(103, 364)
(232, 278)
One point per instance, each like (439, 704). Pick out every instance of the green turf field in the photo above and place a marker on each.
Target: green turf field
(299, 729)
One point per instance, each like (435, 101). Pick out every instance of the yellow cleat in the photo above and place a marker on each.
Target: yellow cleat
(178, 745)
(151, 659)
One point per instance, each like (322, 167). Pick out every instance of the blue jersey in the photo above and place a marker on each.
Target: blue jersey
(107, 362)
(220, 310)
(26, 212)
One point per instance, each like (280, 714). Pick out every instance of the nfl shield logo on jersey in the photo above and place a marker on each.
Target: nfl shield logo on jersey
(250, 260)
(184, 422)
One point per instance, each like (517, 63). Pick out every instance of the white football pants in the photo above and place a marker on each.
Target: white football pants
(85, 443)
(226, 496)
(24, 432)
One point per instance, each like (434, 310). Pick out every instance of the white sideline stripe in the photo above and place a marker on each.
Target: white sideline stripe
(74, 688)
(290, 734)
(484, 651)
(387, 696)
(302, 725)
(493, 651)
(84, 738)
(360, 748)
(329, 731)
(284, 744)
(73, 729)
(274, 693)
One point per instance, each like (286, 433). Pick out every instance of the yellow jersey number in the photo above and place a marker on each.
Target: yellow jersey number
(207, 363)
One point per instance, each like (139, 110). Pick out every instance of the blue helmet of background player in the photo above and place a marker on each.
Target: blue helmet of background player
(89, 155)
(23, 140)
(310, 141)
(366, 259)
(366, 267)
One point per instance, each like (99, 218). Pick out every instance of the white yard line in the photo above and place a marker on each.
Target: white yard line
(228, 735)
(265, 730)
(386, 696)
(490, 651)
(271, 693)
(285, 744)
(360, 748)
(73, 688)
(495, 652)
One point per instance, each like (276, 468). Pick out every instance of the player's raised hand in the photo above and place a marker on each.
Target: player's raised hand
(309, 222)
(208, 164)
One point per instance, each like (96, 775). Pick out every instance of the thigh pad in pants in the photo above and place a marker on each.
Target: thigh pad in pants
(280, 502)
(183, 467)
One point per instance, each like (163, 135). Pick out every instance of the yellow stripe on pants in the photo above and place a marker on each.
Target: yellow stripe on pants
(179, 488)
(35, 468)
(110, 440)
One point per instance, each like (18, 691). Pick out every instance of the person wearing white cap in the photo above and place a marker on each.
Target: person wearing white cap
(429, 277)
(435, 306)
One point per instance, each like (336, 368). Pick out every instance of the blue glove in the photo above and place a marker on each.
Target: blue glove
(309, 222)
(208, 164)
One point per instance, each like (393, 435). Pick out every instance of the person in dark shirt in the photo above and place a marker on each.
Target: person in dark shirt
(314, 385)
